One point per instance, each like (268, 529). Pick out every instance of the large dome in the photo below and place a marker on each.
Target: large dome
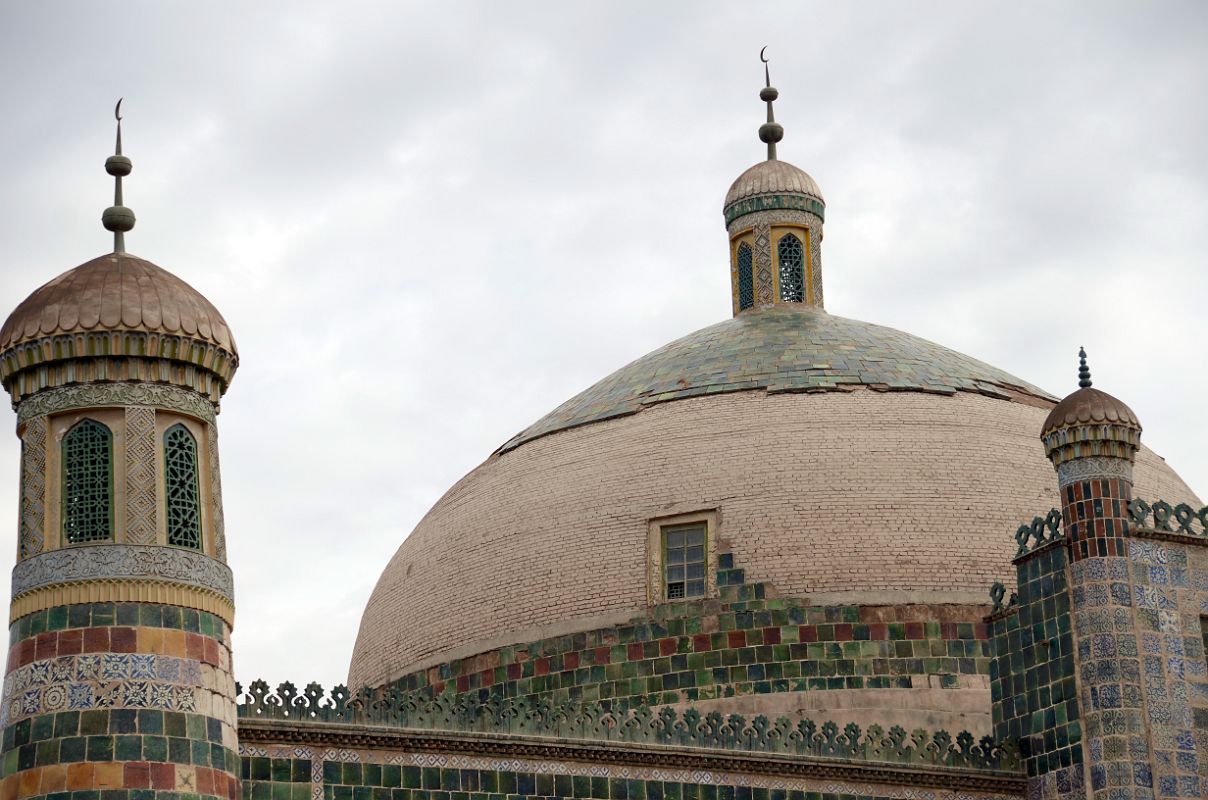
(845, 462)
(116, 292)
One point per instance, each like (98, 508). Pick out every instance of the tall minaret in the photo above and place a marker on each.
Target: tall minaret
(119, 666)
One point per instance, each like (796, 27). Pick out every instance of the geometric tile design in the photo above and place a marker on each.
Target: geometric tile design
(140, 475)
(33, 487)
(765, 293)
(216, 515)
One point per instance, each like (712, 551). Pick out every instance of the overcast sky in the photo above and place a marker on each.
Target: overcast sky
(429, 224)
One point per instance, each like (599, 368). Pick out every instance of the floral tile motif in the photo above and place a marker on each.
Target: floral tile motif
(109, 680)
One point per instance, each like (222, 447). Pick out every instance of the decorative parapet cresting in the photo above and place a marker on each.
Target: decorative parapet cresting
(597, 721)
(999, 601)
(99, 562)
(1166, 518)
(1039, 532)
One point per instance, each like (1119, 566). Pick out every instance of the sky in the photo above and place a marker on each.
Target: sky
(430, 223)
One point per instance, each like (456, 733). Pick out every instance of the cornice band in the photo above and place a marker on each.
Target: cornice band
(156, 395)
(123, 591)
(125, 562)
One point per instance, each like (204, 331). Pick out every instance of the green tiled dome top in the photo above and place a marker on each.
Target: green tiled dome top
(783, 348)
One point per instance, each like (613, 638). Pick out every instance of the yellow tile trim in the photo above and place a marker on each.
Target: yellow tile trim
(122, 591)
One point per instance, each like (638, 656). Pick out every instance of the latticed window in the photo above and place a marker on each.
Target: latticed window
(684, 561)
(791, 256)
(180, 487)
(746, 279)
(88, 483)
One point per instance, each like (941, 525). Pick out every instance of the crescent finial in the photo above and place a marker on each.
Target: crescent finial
(762, 57)
(117, 110)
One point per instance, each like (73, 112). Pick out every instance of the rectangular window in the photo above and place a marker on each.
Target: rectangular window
(684, 561)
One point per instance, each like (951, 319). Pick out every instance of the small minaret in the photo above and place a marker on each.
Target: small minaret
(119, 682)
(1092, 440)
(774, 214)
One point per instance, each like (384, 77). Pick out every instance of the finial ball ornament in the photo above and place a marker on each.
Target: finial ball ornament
(118, 166)
(118, 219)
(771, 132)
(768, 93)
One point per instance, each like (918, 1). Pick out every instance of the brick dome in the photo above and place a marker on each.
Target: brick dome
(845, 463)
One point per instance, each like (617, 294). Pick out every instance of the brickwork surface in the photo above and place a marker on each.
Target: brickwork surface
(862, 493)
(125, 701)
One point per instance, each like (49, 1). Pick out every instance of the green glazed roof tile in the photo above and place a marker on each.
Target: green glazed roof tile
(783, 348)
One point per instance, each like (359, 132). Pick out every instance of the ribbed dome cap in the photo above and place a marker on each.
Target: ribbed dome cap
(117, 292)
(772, 177)
(1089, 406)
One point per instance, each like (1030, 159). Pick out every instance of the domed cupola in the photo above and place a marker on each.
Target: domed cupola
(774, 213)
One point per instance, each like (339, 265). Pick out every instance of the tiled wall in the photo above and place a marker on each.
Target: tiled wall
(132, 699)
(744, 644)
(292, 772)
(1033, 676)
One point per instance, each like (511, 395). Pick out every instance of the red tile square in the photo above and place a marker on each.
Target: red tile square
(163, 777)
(96, 640)
(736, 639)
(771, 635)
(136, 775)
(123, 640)
(71, 642)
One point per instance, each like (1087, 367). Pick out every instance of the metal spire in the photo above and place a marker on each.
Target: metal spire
(117, 217)
(1084, 372)
(771, 131)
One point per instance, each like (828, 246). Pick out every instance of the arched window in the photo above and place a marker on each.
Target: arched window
(746, 280)
(88, 483)
(180, 488)
(791, 256)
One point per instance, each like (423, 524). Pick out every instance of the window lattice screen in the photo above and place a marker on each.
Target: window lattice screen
(87, 483)
(791, 256)
(180, 485)
(746, 279)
